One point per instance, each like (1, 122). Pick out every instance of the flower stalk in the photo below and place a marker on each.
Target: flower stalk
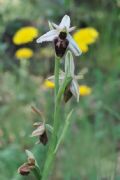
(53, 142)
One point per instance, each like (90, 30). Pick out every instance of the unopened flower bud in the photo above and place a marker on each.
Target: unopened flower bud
(31, 158)
(24, 170)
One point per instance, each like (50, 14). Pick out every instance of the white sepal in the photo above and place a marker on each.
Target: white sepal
(39, 131)
(31, 158)
(29, 154)
(73, 46)
(74, 87)
(65, 22)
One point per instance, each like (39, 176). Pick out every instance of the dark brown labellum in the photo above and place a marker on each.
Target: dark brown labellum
(67, 94)
(60, 45)
(44, 138)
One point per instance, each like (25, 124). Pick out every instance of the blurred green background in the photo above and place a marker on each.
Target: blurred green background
(91, 149)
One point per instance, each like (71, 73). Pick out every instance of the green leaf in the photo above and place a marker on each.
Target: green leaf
(67, 123)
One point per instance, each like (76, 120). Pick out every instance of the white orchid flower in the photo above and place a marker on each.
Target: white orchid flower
(61, 31)
(69, 70)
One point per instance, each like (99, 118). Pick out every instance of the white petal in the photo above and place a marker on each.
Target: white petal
(49, 36)
(71, 29)
(65, 22)
(74, 87)
(39, 131)
(73, 46)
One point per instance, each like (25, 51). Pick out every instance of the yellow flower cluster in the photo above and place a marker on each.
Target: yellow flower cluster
(84, 37)
(49, 84)
(25, 35)
(83, 89)
(24, 53)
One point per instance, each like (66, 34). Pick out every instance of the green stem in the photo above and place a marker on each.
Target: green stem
(51, 155)
(65, 128)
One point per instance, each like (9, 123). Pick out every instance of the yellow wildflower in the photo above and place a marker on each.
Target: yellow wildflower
(25, 35)
(84, 37)
(24, 53)
(49, 84)
(85, 90)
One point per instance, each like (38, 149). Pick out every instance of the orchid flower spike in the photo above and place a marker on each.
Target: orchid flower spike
(59, 34)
